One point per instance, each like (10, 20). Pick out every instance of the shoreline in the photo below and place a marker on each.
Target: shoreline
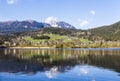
(54, 48)
(29, 47)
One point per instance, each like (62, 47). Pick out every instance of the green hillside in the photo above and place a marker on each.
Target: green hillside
(111, 32)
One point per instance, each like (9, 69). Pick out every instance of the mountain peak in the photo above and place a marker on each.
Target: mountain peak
(63, 24)
(30, 21)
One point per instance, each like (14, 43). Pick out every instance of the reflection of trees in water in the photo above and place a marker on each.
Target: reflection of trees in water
(38, 60)
(31, 61)
(106, 59)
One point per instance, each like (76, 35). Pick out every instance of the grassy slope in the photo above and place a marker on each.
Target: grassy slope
(54, 37)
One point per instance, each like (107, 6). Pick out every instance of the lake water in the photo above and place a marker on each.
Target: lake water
(99, 64)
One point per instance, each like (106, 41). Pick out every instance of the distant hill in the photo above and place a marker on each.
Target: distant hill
(110, 32)
(29, 25)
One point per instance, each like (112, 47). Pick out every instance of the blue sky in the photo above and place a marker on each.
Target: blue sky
(82, 14)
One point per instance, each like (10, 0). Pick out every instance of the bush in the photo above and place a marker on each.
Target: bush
(41, 37)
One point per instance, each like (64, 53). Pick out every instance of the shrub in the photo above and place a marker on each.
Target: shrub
(41, 37)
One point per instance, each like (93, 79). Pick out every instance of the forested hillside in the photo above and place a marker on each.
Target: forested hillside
(111, 32)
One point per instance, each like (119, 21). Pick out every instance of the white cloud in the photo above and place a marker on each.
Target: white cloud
(92, 12)
(84, 23)
(87, 21)
(52, 21)
(11, 1)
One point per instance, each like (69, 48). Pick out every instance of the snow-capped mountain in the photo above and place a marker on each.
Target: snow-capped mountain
(16, 26)
(55, 22)
(61, 24)
(65, 25)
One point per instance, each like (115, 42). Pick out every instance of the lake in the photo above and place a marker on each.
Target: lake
(92, 64)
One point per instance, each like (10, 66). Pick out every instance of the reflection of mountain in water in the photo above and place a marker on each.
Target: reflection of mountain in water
(32, 61)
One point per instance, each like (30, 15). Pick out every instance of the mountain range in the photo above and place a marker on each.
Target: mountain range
(28, 25)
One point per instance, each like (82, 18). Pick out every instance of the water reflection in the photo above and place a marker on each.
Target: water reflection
(52, 61)
(84, 71)
(52, 72)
